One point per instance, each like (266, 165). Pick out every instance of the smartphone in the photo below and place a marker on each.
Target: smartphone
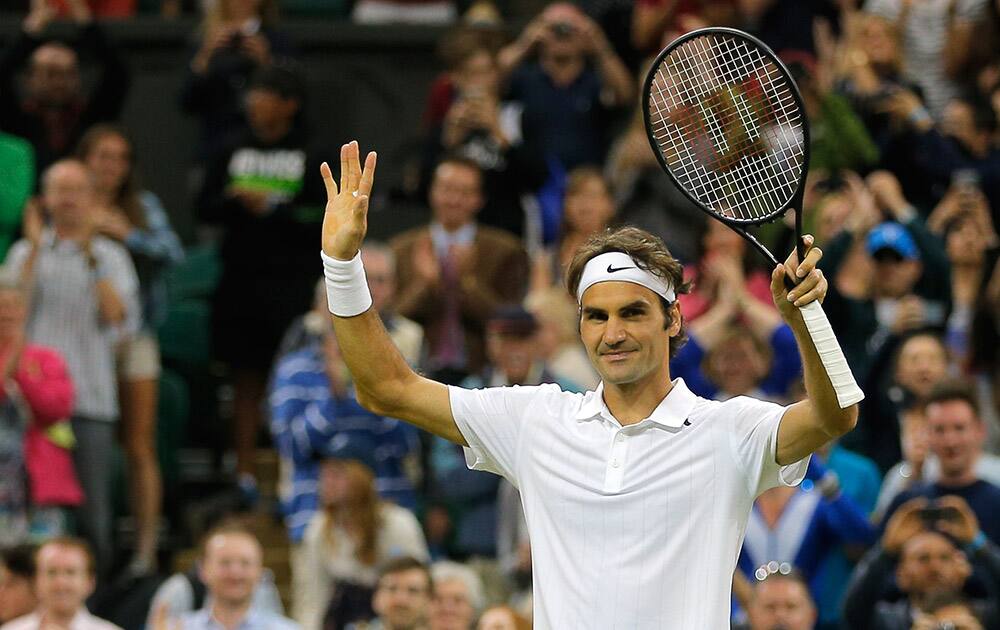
(934, 513)
(965, 179)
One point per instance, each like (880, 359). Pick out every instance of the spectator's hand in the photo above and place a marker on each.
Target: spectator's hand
(255, 202)
(257, 48)
(39, 16)
(463, 257)
(866, 214)
(888, 194)
(904, 524)
(535, 33)
(944, 213)
(425, 262)
(33, 221)
(592, 36)
(915, 447)
(906, 109)
(79, 10)
(909, 314)
(162, 620)
(113, 223)
(214, 40)
(12, 356)
(457, 124)
(956, 620)
(964, 526)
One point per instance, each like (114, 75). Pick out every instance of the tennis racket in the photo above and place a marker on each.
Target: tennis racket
(727, 123)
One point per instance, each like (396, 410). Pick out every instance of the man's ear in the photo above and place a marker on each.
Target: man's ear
(675, 319)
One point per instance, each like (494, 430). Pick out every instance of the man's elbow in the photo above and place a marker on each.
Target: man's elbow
(843, 422)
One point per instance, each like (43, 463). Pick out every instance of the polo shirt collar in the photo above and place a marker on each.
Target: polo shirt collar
(672, 411)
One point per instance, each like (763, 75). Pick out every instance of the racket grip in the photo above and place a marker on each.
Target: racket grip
(848, 392)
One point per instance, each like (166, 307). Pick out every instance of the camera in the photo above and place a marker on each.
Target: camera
(562, 30)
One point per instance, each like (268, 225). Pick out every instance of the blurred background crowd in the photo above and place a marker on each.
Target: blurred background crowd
(180, 445)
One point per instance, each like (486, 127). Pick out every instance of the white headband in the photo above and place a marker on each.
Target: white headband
(619, 267)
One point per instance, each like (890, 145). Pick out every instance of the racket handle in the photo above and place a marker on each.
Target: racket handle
(848, 392)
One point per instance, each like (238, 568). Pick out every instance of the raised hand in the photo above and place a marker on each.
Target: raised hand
(346, 220)
(811, 283)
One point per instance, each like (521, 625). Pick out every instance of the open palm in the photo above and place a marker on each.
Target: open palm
(346, 218)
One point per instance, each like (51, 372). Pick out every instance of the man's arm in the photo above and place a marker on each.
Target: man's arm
(384, 382)
(810, 423)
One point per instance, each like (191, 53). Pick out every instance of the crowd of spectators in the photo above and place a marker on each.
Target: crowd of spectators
(532, 142)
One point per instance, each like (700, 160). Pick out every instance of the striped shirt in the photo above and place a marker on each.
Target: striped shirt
(305, 416)
(65, 314)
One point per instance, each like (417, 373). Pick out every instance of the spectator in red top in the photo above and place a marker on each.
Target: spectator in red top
(36, 399)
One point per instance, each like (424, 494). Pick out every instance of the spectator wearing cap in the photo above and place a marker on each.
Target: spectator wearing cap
(908, 287)
(956, 434)
(463, 518)
(17, 576)
(352, 534)
(263, 194)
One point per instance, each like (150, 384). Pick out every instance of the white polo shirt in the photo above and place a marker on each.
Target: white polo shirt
(635, 527)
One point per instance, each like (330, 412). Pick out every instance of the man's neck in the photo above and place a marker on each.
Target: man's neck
(69, 232)
(962, 480)
(631, 403)
(57, 619)
(230, 615)
(453, 229)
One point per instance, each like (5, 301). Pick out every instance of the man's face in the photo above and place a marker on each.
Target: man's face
(929, 562)
(455, 194)
(110, 160)
(781, 603)
(54, 75)
(334, 482)
(956, 436)
(67, 192)
(16, 596)
(267, 109)
(451, 608)
(63, 581)
(513, 355)
(381, 278)
(894, 275)
(622, 328)
(590, 207)
(401, 599)
(737, 366)
(922, 363)
(564, 36)
(232, 567)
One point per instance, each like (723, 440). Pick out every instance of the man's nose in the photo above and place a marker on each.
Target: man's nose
(614, 332)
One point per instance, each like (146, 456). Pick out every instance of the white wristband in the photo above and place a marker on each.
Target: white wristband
(347, 292)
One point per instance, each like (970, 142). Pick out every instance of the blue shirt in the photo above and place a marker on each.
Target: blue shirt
(255, 620)
(305, 416)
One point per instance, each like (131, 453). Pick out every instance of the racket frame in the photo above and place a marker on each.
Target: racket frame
(795, 201)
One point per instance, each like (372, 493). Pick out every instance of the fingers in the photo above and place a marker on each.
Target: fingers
(331, 186)
(813, 287)
(368, 175)
(353, 166)
(345, 166)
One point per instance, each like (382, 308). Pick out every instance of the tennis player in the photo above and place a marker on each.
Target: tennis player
(637, 494)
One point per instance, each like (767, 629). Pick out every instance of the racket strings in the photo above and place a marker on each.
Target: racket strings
(728, 127)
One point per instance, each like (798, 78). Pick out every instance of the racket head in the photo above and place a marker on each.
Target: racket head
(730, 131)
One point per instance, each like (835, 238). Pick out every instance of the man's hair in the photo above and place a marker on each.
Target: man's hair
(73, 543)
(47, 173)
(403, 564)
(953, 390)
(460, 160)
(233, 525)
(19, 560)
(579, 176)
(447, 571)
(649, 253)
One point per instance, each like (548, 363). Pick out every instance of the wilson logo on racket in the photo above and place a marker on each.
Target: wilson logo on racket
(725, 126)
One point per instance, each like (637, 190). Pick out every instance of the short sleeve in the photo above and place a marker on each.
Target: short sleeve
(755, 433)
(492, 421)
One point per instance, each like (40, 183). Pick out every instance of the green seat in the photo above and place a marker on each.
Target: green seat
(172, 412)
(185, 336)
(196, 276)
